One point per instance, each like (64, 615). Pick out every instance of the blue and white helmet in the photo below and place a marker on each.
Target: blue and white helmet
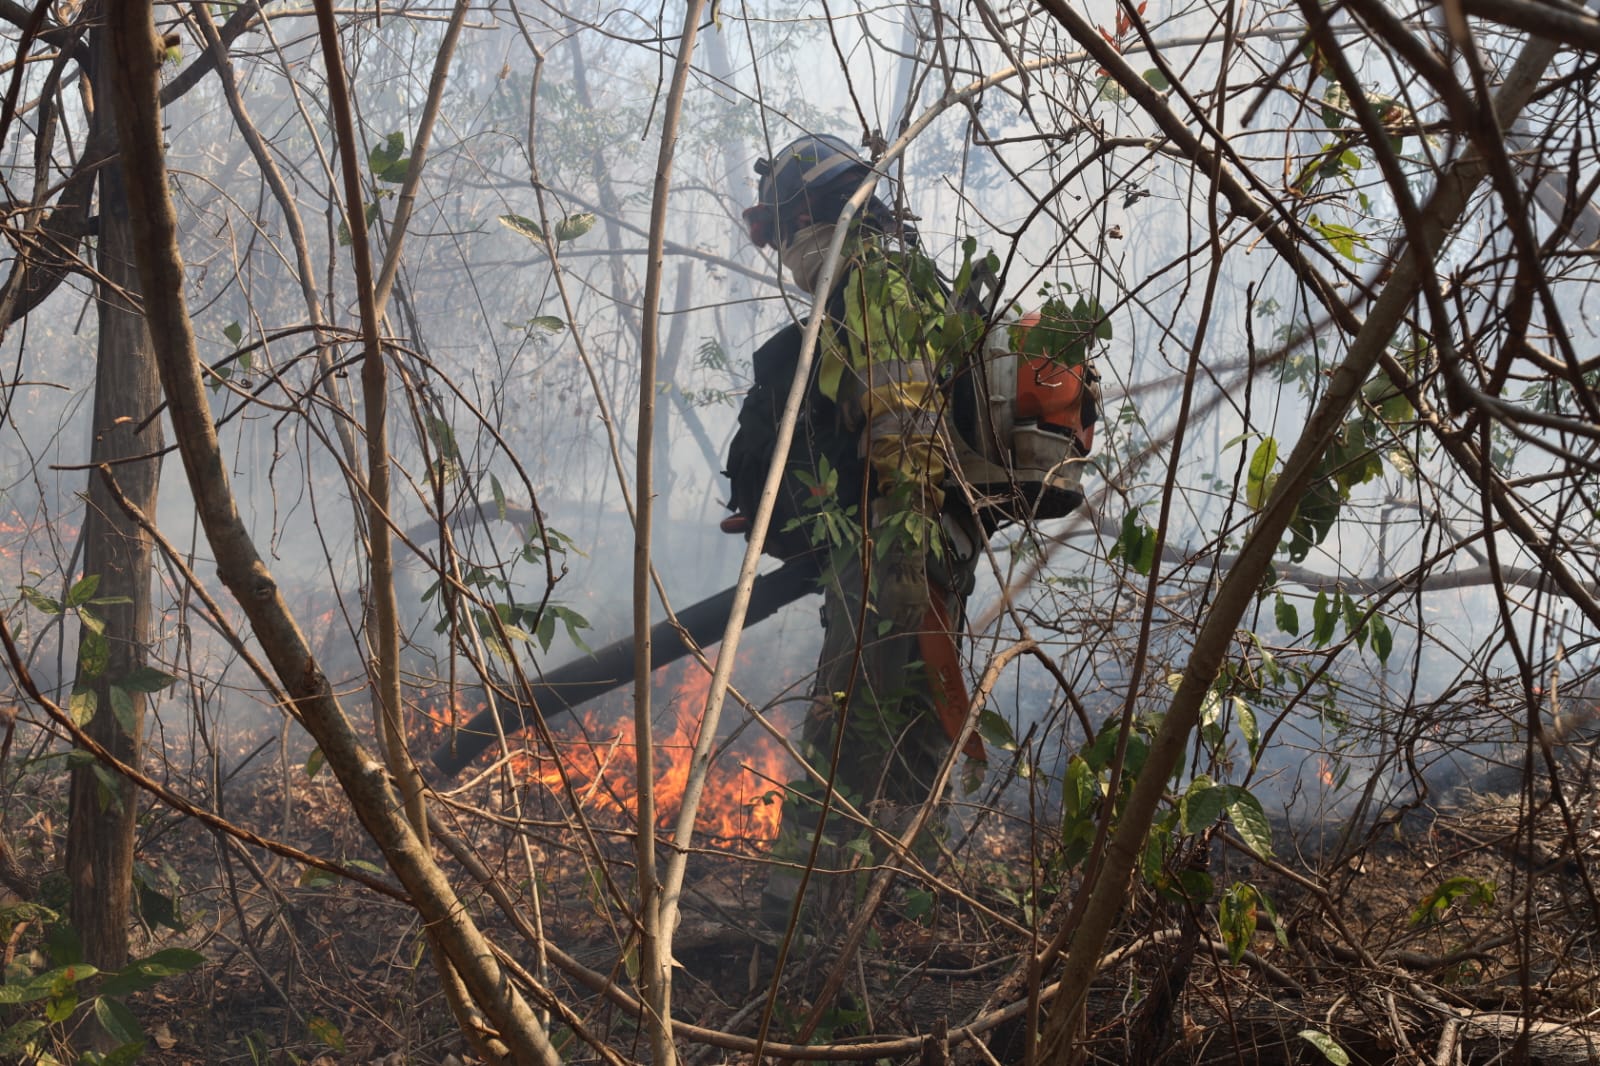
(800, 169)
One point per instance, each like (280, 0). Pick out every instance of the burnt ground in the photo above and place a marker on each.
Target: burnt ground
(1443, 936)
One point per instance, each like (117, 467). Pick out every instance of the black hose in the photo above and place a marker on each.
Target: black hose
(564, 688)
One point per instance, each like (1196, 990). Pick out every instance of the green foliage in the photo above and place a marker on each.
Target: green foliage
(996, 731)
(539, 325)
(370, 214)
(1136, 545)
(52, 992)
(326, 1032)
(1327, 1045)
(1361, 624)
(1236, 919)
(1238, 913)
(158, 896)
(1108, 91)
(572, 227)
(1344, 239)
(94, 653)
(1064, 334)
(1206, 801)
(1352, 460)
(519, 621)
(827, 522)
(711, 356)
(389, 161)
(1285, 616)
(1470, 891)
(568, 228)
(1262, 473)
(918, 905)
(1087, 778)
(525, 226)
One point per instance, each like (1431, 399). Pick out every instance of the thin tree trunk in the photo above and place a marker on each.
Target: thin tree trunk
(239, 565)
(100, 830)
(657, 907)
(1090, 923)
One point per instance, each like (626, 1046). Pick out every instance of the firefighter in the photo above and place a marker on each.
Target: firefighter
(889, 675)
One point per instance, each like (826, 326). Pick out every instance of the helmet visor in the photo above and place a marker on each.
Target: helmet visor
(762, 223)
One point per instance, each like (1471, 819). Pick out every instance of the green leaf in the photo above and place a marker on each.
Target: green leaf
(1286, 616)
(325, 1031)
(117, 1020)
(1352, 617)
(82, 706)
(15, 1040)
(147, 679)
(443, 437)
(83, 591)
(234, 332)
(1262, 474)
(1250, 821)
(313, 876)
(1157, 80)
(1136, 545)
(168, 962)
(122, 710)
(1382, 639)
(1313, 519)
(1063, 334)
(525, 226)
(1325, 1044)
(1078, 788)
(1247, 724)
(1196, 886)
(388, 160)
(1335, 102)
(572, 621)
(314, 763)
(59, 1008)
(39, 601)
(1108, 90)
(1203, 804)
(126, 1055)
(1436, 904)
(574, 226)
(1236, 918)
(1344, 239)
(996, 731)
(47, 984)
(1324, 617)
(546, 629)
(158, 908)
(499, 497)
(94, 651)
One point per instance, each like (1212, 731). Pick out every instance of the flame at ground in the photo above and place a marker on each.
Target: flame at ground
(29, 539)
(741, 807)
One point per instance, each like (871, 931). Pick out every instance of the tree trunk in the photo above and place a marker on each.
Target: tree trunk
(101, 826)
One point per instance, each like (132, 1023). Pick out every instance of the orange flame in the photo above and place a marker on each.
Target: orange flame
(21, 535)
(741, 806)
